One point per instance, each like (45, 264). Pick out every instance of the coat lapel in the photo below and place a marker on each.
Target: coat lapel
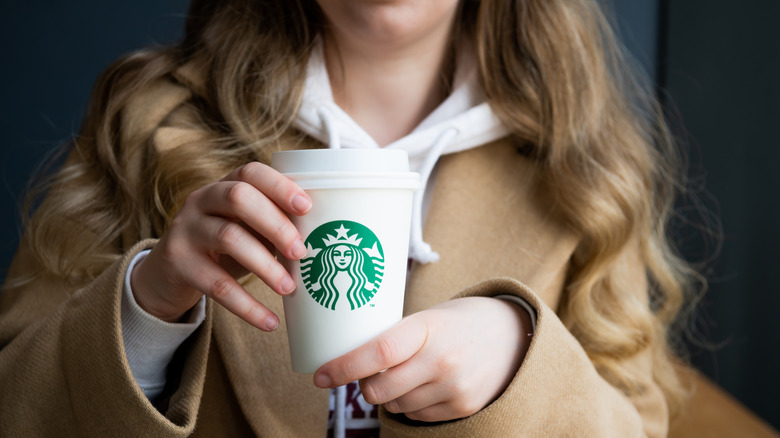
(489, 218)
(276, 401)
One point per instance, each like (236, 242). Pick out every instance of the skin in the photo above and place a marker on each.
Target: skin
(385, 59)
(225, 230)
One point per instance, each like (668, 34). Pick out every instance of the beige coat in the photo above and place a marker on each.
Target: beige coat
(63, 370)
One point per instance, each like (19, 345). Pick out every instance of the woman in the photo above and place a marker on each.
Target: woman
(544, 310)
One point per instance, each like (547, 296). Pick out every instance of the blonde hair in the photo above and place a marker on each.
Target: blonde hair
(552, 70)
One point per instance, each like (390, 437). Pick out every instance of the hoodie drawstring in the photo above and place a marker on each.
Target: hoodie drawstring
(340, 427)
(330, 127)
(419, 250)
(340, 408)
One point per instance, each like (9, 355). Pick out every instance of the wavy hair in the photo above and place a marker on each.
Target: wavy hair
(552, 70)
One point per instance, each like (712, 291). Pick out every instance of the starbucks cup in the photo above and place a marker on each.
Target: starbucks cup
(350, 284)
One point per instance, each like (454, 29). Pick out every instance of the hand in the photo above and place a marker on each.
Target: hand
(222, 232)
(444, 363)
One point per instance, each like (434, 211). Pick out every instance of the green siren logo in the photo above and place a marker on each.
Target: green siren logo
(344, 258)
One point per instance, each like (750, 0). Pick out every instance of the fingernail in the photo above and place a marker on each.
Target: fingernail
(322, 380)
(288, 285)
(298, 250)
(301, 204)
(271, 323)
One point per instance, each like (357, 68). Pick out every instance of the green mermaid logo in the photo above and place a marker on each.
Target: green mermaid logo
(344, 258)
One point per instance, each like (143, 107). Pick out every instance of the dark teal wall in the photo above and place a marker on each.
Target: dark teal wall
(722, 71)
(52, 51)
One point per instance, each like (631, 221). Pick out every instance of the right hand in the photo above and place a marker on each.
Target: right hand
(222, 232)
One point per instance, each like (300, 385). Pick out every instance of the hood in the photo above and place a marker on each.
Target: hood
(462, 121)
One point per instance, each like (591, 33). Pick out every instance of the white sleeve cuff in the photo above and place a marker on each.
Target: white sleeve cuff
(522, 303)
(149, 341)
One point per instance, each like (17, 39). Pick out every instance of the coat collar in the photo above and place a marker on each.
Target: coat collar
(489, 217)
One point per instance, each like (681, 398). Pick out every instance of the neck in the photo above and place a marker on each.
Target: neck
(388, 90)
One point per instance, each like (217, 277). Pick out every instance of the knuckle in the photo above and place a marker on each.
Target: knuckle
(447, 365)
(236, 192)
(179, 222)
(462, 400)
(279, 225)
(343, 371)
(284, 230)
(387, 350)
(271, 272)
(369, 393)
(248, 171)
(280, 185)
(418, 416)
(278, 229)
(270, 268)
(220, 288)
(458, 407)
(171, 250)
(194, 195)
(373, 393)
(189, 202)
(256, 313)
(229, 234)
(351, 369)
(392, 406)
(463, 407)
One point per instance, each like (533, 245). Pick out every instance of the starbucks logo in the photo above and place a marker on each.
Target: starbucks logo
(344, 258)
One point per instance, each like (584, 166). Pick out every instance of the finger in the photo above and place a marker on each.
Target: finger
(436, 413)
(418, 399)
(280, 189)
(230, 238)
(398, 381)
(387, 350)
(231, 266)
(214, 282)
(240, 200)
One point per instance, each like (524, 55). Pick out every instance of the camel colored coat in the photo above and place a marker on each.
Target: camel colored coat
(63, 370)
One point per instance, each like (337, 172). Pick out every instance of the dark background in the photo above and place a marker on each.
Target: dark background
(716, 66)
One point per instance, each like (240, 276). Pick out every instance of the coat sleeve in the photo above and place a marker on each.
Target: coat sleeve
(63, 368)
(556, 392)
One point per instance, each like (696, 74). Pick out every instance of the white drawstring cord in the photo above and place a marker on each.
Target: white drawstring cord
(340, 427)
(340, 409)
(418, 249)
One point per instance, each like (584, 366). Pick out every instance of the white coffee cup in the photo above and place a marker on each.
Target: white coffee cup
(350, 285)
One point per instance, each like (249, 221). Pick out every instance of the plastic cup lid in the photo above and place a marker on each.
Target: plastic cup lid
(341, 160)
(347, 168)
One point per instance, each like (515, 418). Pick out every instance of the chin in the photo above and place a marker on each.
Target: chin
(385, 22)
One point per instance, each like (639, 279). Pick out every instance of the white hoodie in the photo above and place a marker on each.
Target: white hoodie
(463, 121)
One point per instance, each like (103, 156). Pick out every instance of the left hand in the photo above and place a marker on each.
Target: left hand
(443, 363)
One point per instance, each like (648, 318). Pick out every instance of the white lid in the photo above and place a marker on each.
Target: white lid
(341, 160)
(347, 168)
